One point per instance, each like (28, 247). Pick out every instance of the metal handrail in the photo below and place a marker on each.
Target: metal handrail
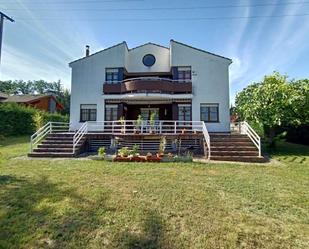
(207, 138)
(79, 135)
(44, 131)
(245, 128)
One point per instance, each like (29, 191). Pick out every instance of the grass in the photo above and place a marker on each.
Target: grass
(95, 204)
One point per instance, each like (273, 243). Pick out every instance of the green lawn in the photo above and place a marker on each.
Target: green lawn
(95, 204)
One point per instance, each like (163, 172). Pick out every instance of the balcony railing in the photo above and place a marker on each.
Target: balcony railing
(148, 85)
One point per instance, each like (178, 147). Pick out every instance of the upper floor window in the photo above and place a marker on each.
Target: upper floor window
(210, 113)
(184, 73)
(111, 75)
(88, 113)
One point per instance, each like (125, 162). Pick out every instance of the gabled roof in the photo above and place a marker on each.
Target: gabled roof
(148, 43)
(23, 98)
(99, 52)
(27, 98)
(201, 50)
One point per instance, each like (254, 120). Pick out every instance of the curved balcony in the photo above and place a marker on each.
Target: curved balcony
(148, 85)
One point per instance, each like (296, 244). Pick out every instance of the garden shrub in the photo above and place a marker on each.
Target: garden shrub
(18, 119)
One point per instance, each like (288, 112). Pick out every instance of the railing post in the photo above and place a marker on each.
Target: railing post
(160, 128)
(175, 128)
(260, 153)
(142, 127)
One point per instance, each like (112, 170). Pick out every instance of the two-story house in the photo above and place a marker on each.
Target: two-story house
(178, 82)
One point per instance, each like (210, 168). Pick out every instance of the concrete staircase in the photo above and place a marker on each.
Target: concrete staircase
(57, 145)
(233, 147)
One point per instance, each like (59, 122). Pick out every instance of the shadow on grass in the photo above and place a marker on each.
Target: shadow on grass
(288, 152)
(42, 214)
(152, 235)
(14, 140)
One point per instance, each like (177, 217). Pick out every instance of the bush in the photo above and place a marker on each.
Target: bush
(21, 120)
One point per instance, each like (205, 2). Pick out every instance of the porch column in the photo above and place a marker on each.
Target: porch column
(120, 110)
(175, 111)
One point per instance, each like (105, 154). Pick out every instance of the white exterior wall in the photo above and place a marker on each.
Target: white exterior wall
(88, 76)
(134, 61)
(210, 81)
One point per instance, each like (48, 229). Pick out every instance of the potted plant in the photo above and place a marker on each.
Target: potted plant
(138, 124)
(123, 152)
(162, 146)
(134, 153)
(152, 121)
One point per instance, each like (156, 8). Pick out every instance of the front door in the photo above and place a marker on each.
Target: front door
(145, 113)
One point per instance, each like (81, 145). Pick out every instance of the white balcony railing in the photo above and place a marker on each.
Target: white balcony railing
(150, 79)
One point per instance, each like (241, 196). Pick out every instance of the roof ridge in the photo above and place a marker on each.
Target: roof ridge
(149, 43)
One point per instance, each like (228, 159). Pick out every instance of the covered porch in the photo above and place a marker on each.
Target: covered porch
(133, 108)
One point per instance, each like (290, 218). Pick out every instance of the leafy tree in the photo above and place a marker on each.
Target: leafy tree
(299, 94)
(274, 102)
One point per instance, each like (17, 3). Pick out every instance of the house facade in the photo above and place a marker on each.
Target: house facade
(178, 82)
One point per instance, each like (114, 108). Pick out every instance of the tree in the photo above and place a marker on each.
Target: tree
(270, 103)
(299, 94)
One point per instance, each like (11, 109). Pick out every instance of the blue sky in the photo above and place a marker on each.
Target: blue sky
(48, 34)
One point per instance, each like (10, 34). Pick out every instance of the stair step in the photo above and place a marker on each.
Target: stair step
(230, 140)
(55, 139)
(50, 154)
(48, 145)
(238, 158)
(226, 143)
(233, 148)
(59, 149)
(233, 153)
(61, 135)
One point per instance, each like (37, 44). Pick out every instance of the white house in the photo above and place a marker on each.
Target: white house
(184, 90)
(178, 82)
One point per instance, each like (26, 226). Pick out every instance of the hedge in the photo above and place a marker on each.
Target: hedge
(21, 120)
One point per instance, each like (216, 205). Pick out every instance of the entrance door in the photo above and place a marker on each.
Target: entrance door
(145, 112)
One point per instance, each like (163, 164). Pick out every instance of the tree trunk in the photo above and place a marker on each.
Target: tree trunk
(270, 134)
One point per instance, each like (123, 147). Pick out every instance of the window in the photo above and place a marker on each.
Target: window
(88, 113)
(149, 60)
(111, 75)
(210, 112)
(184, 73)
(146, 112)
(184, 112)
(111, 112)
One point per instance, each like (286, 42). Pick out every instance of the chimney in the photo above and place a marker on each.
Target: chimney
(87, 50)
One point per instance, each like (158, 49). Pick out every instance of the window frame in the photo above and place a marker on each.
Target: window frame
(208, 106)
(105, 111)
(114, 75)
(184, 73)
(183, 113)
(88, 113)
